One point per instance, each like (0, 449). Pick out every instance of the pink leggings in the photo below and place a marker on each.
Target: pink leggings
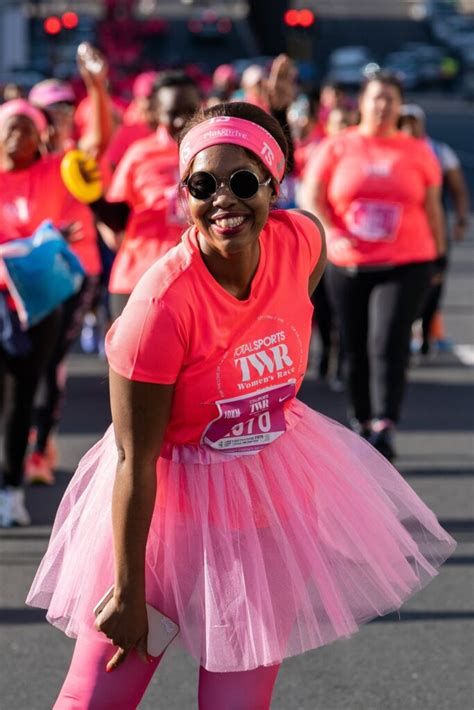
(89, 687)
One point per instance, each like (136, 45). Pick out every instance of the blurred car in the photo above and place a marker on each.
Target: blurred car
(405, 66)
(429, 59)
(346, 65)
(444, 28)
(208, 25)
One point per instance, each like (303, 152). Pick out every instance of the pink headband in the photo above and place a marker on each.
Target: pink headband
(21, 107)
(237, 131)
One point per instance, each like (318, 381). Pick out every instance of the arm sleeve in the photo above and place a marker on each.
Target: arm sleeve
(146, 343)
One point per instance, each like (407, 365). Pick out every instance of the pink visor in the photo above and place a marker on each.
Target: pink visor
(21, 107)
(236, 131)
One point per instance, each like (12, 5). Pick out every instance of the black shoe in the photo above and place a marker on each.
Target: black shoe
(383, 442)
(361, 428)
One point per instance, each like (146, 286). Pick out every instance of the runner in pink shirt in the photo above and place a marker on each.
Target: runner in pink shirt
(378, 192)
(260, 527)
(142, 200)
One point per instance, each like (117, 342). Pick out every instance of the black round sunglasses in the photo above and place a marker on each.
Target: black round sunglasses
(244, 184)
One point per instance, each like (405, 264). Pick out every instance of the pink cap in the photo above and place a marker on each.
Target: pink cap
(51, 91)
(21, 107)
(143, 84)
(236, 131)
(223, 74)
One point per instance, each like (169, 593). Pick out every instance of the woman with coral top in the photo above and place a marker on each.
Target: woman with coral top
(261, 528)
(377, 192)
(31, 191)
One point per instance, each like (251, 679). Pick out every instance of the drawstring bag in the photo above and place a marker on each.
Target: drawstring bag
(41, 273)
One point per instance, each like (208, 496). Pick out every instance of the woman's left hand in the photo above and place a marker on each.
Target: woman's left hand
(126, 625)
(92, 65)
(281, 84)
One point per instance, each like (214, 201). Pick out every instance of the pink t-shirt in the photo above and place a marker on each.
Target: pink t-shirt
(236, 364)
(147, 179)
(123, 138)
(27, 197)
(376, 189)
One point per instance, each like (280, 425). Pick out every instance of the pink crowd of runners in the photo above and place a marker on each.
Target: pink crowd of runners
(200, 240)
(364, 165)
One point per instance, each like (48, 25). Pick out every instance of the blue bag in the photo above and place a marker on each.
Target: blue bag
(41, 273)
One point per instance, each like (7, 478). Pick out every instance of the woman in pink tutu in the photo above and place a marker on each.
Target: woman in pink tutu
(260, 527)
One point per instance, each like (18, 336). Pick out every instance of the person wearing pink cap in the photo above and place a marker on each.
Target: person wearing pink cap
(56, 100)
(224, 84)
(24, 204)
(259, 527)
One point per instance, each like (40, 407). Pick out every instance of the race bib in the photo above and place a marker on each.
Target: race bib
(250, 422)
(373, 221)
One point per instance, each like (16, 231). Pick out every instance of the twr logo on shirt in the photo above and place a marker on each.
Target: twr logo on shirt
(274, 359)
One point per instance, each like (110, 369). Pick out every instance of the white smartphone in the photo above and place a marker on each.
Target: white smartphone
(161, 629)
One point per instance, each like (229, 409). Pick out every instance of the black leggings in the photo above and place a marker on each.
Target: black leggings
(117, 302)
(376, 309)
(433, 300)
(19, 377)
(51, 393)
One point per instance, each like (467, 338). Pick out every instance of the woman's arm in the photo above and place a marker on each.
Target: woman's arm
(313, 199)
(434, 213)
(140, 413)
(459, 194)
(96, 140)
(316, 274)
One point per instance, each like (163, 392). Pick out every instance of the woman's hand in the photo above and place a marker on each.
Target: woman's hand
(126, 625)
(92, 65)
(281, 84)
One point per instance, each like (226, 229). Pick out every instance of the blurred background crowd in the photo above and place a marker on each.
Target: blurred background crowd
(119, 78)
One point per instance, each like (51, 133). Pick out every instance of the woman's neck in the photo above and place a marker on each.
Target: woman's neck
(377, 131)
(233, 271)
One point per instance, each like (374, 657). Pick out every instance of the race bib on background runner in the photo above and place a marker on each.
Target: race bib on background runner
(250, 422)
(373, 221)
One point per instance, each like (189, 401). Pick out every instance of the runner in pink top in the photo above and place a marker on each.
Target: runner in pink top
(29, 195)
(142, 205)
(378, 193)
(262, 528)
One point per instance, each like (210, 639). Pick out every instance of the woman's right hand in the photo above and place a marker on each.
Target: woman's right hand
(125, 623)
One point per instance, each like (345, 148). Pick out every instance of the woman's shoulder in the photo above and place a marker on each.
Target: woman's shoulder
(293, 220)
(168, 280)
(295, 232)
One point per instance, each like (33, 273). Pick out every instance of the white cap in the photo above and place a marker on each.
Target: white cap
(413, 110)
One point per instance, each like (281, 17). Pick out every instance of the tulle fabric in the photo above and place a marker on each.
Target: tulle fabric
(256, 557)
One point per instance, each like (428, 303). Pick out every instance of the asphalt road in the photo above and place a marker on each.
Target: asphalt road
(420, 659)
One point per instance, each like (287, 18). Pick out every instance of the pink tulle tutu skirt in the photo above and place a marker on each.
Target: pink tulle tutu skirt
(256, 557)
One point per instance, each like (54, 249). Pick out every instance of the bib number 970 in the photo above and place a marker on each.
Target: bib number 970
(250, 422)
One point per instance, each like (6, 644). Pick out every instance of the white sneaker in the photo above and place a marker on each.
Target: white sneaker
(5, 508)
(18, 512)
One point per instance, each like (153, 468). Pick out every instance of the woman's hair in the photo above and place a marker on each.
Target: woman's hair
(240, 109)
(383, 77)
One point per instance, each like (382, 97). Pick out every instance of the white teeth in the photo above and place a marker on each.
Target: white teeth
(230, 222)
